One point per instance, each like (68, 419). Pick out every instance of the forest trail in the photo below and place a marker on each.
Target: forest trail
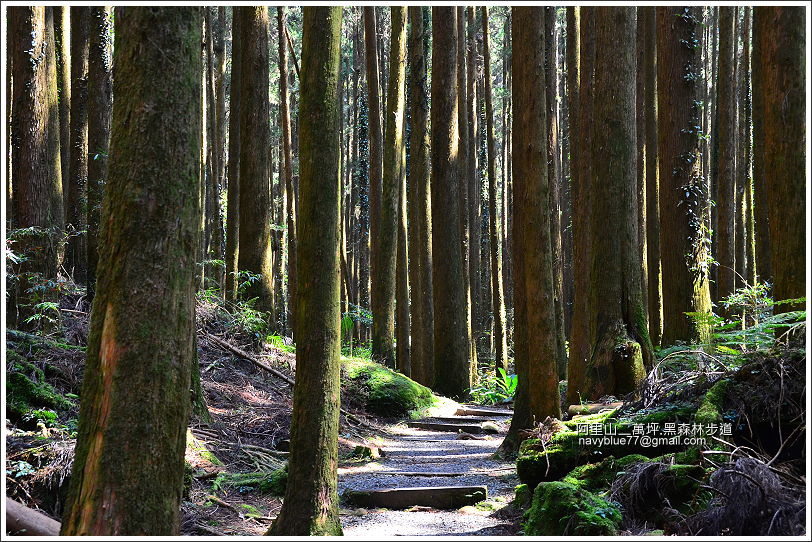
(447, 459)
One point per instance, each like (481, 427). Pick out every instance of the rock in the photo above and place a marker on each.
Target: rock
(563, 509)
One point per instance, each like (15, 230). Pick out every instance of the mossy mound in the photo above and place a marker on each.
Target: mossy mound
(385, 392)
(27, 390)
(599, 476)
(560, 508)
(261, 482)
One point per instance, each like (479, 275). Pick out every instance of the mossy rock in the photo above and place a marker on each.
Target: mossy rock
(599, 476)
(560, 508)
(386, 392)
(524, 496)
(27, 390)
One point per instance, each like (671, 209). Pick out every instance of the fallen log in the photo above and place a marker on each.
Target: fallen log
(23, 521)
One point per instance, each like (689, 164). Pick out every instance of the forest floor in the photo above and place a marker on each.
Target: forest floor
(236, 461)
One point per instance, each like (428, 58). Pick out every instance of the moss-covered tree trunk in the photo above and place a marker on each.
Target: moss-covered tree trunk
(255, 139)
(684, 199)
(287, 152)
(99, 111)
(451, 346)
(494, 225)
(782, 35)
(233, 167)
(581, 115)
(420, 202)
(310, 506)
(726, 176)
(62, 33)
(36, 158)
(536, 343)
(620, 345)
(654, 267)
(127, 476)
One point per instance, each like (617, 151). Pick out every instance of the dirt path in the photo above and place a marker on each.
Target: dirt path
(412, 450)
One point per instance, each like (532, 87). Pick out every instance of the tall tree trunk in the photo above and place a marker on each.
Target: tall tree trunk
(654, 267)
(76, 189)
(619, 334)
(255, 226)
(290, 192)
(554, 177)
(474, 184)
(233, 171)
(451, 347)
(99, 110)
(494, 226)
(140, 346)
(420, 202)
(581, 202)
(781, 38)
(382, 315)
(760, 207)
(642, 158)
(726, 187)
(62, 35)
(393, 205)
(383, 281)
(462, 172)
(310, 506)
(536, 344)
(747, 178)
(36, 156)
(683, 193)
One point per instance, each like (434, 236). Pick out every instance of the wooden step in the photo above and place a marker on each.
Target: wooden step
(448, 497)
(451, 427)
(423, 474)
(482, 411)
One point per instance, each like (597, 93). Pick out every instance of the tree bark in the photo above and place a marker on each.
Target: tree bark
(255, 226)
(310, 506)
(36, 156)
(233, 171)
(684, 200)
(99, 111)
(292, 213)
(726, 179)
(451, 347)
(536, 344)
(474, 185)
(781, 38)
(494, 226)
(62, 35)
(422, 353)
(581, 202)
(762, 217)
(654, 267)
(140, 346)
(618, 329)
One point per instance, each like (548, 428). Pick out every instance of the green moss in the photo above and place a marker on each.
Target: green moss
(386, 392)
(599, 476)
(261, 482)
(670, 412)
(710, 410)
(524, 496)
(26, 389)
(560, 508)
